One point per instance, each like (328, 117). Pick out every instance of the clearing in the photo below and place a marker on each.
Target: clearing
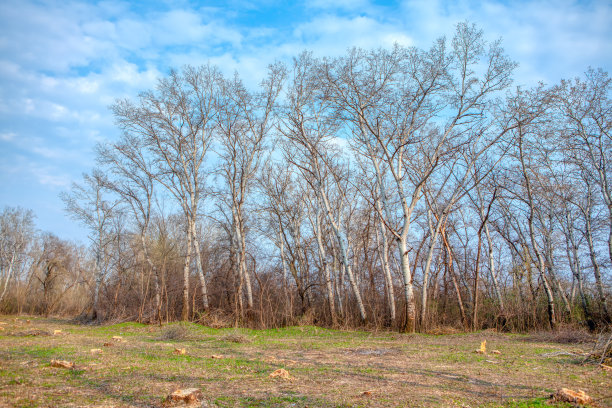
(327, 368)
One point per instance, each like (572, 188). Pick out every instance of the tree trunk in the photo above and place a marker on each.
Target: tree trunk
(153, 271)
(185, 311)
(451, 271)
(343, 249)
(196, 246)
(432, 244)
(410, 306)
(476, 277)
(595, 263)
(491, 260)
(325, 266)
(383, 250)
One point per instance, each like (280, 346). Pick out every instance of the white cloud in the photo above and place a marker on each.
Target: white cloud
(331, 34)
(50, 177)
(8, 136)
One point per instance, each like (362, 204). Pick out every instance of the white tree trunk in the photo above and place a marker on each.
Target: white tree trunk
(185, 311)
(8, 275)
(196, 246)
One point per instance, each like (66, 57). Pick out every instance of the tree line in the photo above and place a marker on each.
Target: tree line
(400, 188)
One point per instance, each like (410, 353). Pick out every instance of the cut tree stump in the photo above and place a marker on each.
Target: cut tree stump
(187, 395)
(62, 364)
(282, 373)
(573, 397)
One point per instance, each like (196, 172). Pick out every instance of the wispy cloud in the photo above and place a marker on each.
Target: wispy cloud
(8, 136)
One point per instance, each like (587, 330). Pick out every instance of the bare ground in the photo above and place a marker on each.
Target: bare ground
(328, 368)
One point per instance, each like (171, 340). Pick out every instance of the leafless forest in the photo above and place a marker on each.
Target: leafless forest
(405, 188)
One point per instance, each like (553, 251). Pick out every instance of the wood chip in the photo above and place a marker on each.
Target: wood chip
(117, 338)
(95, 351)
(495, 352)
(107, 344)
(56, 332)
(216, 356)
(180, 351)
(62, 364)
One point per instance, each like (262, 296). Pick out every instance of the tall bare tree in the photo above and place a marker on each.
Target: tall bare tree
(308, 125)
(244, 121)
(177, 124)
(134, 181)
(87, 204)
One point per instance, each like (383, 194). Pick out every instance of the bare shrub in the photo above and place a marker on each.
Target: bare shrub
(307, 319)
(175, 332)
(236, 338)
(564, 335)
(217, 319)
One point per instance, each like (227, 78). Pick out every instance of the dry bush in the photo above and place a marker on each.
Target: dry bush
(175, 332)
(563, 335)
(236, 338)
(307, 319)
(217, 319)
(33, 332)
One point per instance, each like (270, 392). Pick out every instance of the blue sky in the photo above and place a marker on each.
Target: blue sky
(62, 63)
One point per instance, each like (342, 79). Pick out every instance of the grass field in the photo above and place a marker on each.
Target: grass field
(328, 368)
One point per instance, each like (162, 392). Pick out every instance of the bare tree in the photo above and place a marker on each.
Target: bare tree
(285, 204)
(177, 122)
(244, 121)
(87, 204)
(16, 235)
(134, 181)
(308, 125)
(587, 109)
